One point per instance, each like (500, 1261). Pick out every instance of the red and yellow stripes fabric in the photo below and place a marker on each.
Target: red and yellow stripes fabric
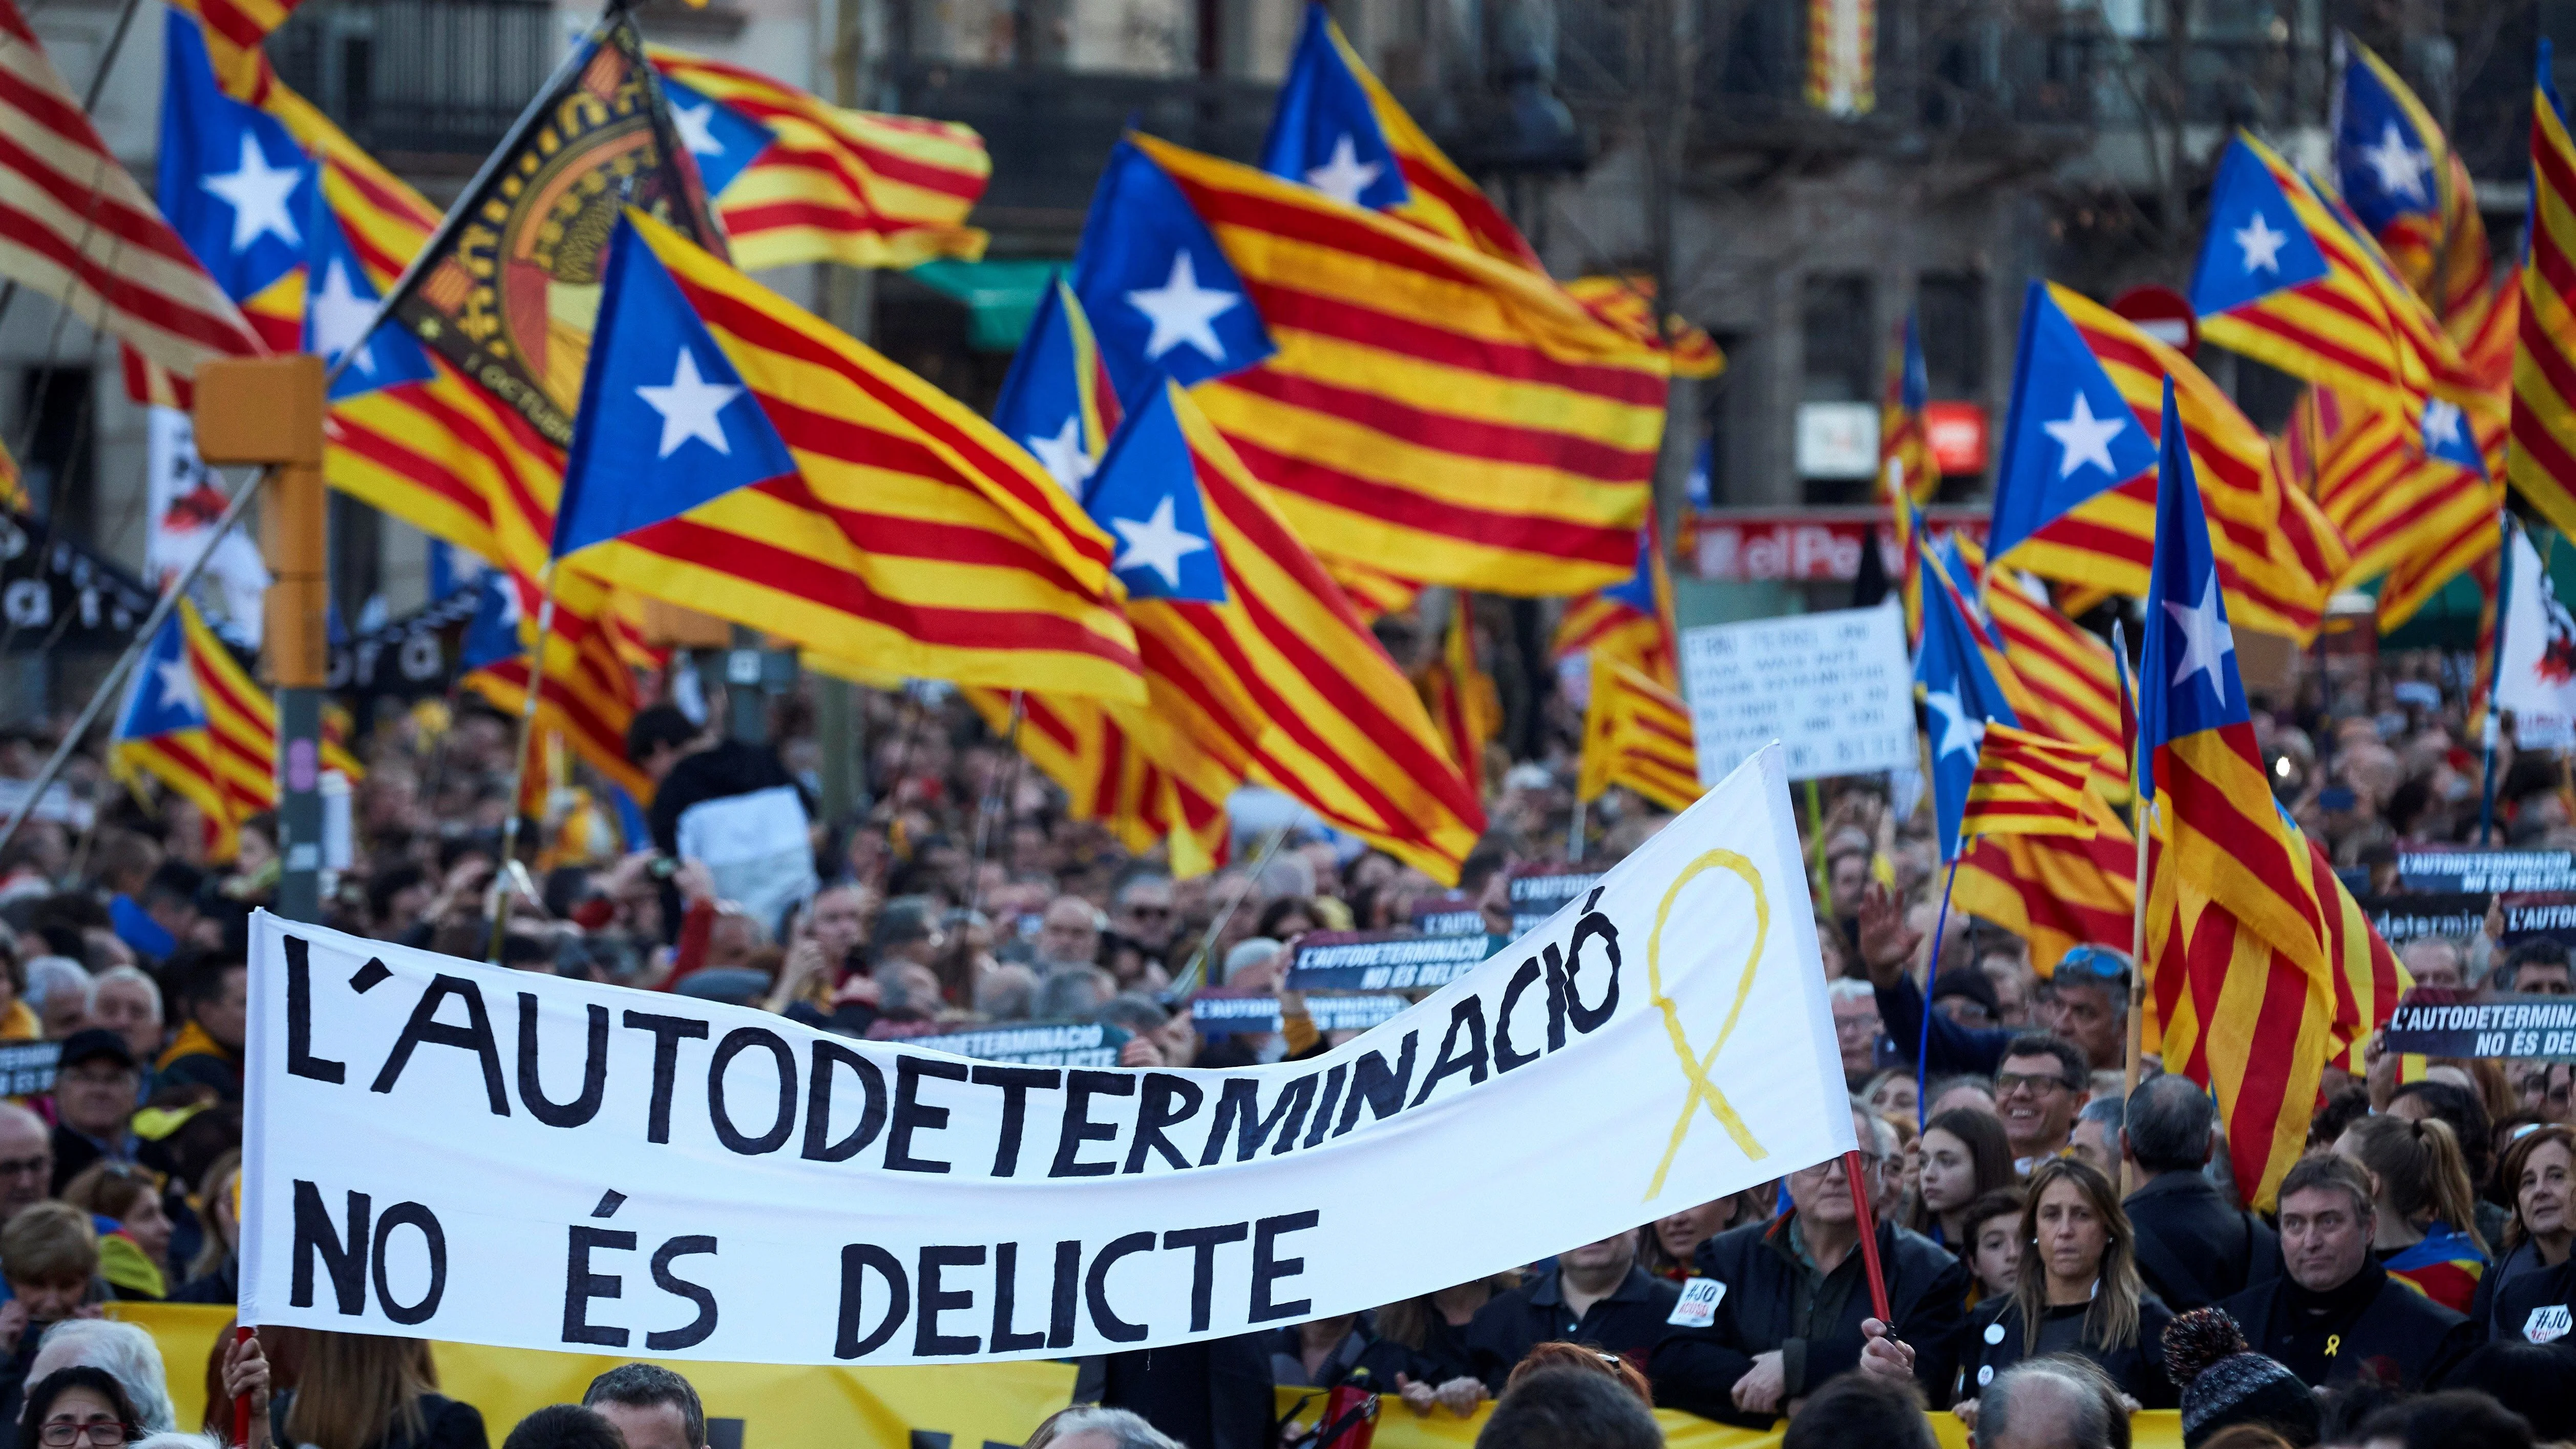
(241, 720)
(861, 188)
(1441, 199)
(2440, 254)
(76, 226)
(1637, 734)
(914, 538)
(2356, 329)
(2278, 555)
(1465, 707)
(1374, 592)
(1283, 684)
(1627, 302)
(1430, 412)
(2541, 463)
(2029, 784)
(2056, 892)
(1615, 624)
(2418, 520)
(235, 32)
(2368, 978)
(2066, 671)
(1092, 755)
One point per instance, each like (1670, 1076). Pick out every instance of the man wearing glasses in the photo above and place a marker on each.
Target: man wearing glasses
(2087, 1001)
(1778, 1307)
(26, 1161)
(2038, 1091)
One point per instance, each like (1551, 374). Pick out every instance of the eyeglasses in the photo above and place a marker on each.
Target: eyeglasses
(63, 1433)
(38, 1166)
(2005, 1082)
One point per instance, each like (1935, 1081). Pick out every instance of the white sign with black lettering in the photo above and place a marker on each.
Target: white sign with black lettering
(1833, 688)
(443, 1150)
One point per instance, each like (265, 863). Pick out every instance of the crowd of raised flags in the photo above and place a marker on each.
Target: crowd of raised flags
(1264, 405)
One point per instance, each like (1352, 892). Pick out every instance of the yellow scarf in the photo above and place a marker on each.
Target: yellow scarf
(192, 1042)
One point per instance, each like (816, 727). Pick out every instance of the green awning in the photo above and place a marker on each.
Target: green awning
(1001, 297)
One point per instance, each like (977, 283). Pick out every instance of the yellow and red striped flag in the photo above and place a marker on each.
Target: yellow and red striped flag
(2415, 518)
(1637, 734)
(2278, 556)
(2542, 461)
(2065, 671)
(1631, 623)
(2029, 784)
(2055, 892)
(77, 227)
(1259, 668)
(796, 179)
(236, 31)
(912, 536)
(1465, 706)
(2368, 979)
(1428, 411)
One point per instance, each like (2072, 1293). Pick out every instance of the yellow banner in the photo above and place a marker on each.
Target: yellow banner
(861, 1408)
(885, 1408)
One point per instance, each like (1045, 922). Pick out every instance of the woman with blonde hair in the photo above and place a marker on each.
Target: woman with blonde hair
(2428, 1222)
(366, 1391)
(2077, 1292)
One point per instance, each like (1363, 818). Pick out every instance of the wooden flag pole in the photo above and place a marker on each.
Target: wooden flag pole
(519, 771)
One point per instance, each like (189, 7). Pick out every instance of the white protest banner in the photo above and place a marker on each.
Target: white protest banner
(1835, 689)
(449, 1151)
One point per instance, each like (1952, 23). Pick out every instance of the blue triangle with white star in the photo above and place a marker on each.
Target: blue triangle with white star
(1324, 132)
(1163, 299)
(2069, 435)
(492, 634)
(164, 695)
(2187, 679)
(339, 303)
(1041, 403)
(231, 180)
(723, 141)
(665, 422)
(1147, 496)
(2256, 244)
(1961, 697)
(2384, 165)
(2444, 433)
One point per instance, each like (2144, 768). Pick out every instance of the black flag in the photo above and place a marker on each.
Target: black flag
(509, 289)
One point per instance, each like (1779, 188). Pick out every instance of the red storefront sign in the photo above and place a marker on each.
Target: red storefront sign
(1957, 431)
(1801, 545)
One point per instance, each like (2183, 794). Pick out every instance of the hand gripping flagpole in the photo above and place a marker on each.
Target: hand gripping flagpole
(2495, 675)
(519, 771)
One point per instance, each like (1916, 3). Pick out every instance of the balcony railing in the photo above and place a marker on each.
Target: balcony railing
(427, 80)
(1050, 131)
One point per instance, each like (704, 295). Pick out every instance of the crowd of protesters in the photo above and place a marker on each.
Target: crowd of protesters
(2059, 1250)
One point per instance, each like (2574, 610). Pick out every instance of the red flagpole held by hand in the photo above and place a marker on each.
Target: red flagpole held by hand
(1868, 1223)
(241, 1402)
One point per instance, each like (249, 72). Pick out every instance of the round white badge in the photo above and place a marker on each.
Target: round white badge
(1985, 1375)
(1994, 1333)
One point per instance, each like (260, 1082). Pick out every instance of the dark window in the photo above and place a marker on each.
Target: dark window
(414, 78)
(1842, 360)
(1950, 318)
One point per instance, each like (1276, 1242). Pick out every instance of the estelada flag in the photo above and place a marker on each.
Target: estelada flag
(2029, 784)
(510, 294)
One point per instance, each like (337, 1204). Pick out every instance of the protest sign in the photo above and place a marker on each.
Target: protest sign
(2443, 1023)
(59, 804)
(1538, 892)
(1036, 1043)
(1218, 1012)
(1833, 688)
(2421, 868)
(407, 657)
(27, 1068)
(443, 1150)
(1450, 913)
(2528, 916)
(1382, 960)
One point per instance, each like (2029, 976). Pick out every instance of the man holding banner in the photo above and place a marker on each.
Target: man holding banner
(438, 1149)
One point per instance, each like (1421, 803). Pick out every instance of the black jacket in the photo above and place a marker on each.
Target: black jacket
(444, 1424)
(1361, 1352)
(2194, 1246)
(1626, 1323)
(729, 768)
(1214, 1394)
(2516, 1301)
(1995, 1342)
(2373, 1319)
(1695, 1369)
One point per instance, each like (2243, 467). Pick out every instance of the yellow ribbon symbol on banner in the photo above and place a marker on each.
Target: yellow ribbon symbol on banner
(1695, 1066)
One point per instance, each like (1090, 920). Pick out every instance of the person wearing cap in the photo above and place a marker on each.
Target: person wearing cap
(94, 1100)
(1967, 996)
